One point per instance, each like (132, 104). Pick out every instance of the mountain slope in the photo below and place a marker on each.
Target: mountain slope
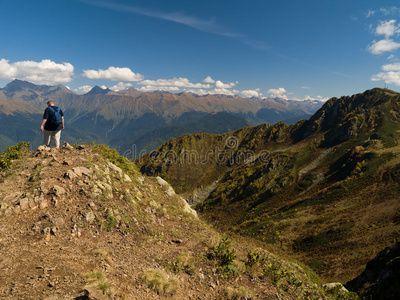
(82, 223)
(324, 190)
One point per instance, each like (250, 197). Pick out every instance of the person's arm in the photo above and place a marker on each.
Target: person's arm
(44, 121)
(62, 125)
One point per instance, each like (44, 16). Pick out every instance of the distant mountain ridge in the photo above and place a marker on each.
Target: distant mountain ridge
(120, 119)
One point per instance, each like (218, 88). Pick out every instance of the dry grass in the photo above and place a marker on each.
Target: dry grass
(160, 282)
(240, 293)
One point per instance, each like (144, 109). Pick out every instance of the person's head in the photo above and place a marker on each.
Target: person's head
(50, 103)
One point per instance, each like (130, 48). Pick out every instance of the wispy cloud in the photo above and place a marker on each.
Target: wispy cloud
(209, 26)
(390, 11)
(385, 11)
(342, 74)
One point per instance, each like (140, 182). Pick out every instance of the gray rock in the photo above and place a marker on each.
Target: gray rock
(12, 196)
(70, 175)
(90, 217)
(24, 203)
(127, 178)
(332, 285)
(58, 190)
(115, 168)
(43, 148)
(43, 203)
(32, 204)
(80, 171)
(92, 294)
(165, 185)
(140, 179)
(17, 209)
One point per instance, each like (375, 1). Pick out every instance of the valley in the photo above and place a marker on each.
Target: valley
(326, 193)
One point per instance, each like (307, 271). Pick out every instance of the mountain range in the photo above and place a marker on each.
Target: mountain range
(134, 122)
(324, 190)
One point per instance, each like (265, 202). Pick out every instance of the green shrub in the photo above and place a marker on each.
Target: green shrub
(253, 258)
(224, 255)
(228, 271)
(12, 153)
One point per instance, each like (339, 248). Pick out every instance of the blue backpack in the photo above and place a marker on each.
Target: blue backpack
(56, 117)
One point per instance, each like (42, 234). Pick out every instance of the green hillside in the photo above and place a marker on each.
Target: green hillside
(323, 190)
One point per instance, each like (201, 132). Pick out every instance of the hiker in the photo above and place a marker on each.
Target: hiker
(52, 123)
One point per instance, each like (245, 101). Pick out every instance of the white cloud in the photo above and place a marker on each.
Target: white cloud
(309, 98)
(387, 28)
(174, 82)
(391, 67)
(114, 74)
(383, 46)
(391, 74)
(209, 80)
(251, 93)
(83, 89)
(44, 72)
(323, 98)
(199, 92)
(305, 87)
(120, 86)
(280, 93)
(388, 77)
(223, 91)
(151, 88)
(220, 85)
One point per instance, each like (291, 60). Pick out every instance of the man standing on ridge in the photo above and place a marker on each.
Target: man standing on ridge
(52, 123)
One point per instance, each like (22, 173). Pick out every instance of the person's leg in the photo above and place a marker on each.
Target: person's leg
(47, 137)
(56, 138)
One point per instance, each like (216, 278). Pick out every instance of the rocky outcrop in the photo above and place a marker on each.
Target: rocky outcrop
(380, 279)
(170, 192)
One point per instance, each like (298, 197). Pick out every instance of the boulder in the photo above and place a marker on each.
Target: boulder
(80, 171)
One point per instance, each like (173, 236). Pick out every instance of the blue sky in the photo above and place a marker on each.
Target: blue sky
(310, 49)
